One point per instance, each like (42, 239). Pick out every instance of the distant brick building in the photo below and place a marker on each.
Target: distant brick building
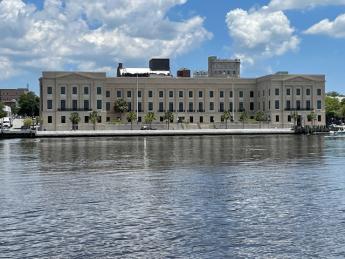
(11, 96)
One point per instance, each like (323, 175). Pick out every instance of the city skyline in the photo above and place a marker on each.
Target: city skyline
(268, 36)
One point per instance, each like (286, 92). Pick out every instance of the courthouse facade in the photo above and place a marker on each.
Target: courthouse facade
(194, 100)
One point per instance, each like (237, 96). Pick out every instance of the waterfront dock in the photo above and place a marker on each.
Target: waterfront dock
(192, 132)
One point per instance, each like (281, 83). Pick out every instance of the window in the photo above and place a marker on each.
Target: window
(263, 92)
(288, 104)
(211, 119)
(241, 107)
(161, 107)
(269, 105)
(319, 92)
(139, 119)
(63, 90)
(319, 104)
(50, 119)
(63, 105)
(63, 119)
(288, 91)
(139, 94)
(251, 106)
(276, 105)
(263, 106)
(201, 119)
(307, 91)
(289, 118)
(180, 94)
(221, 107)
(231, 107)
(191, 119)
(319, 118)
(230, 94)
(277, 118)
(108, 119)
(180, 107)
(298, 105)
(211, 106)
(221, 94)
(161, 119)
(211, 94)
(201, 107)
(276, 91)
(269, 92)
(140, 107)
(240, 94)
(150, 94)
(161, 94)
(86, 90)
(307, 104)
(150, 106)
(99, 104)
(99, 119)
(251, 94)
(129, 94)
(74, 90)
(86, 105)
(107, 106)
(74, 105)
(298, 91)
(200, 94)
(49, 104)
(49, 90)
(99, 90)
(190, 94)
(191, 107)
(129, 105)
(171, 107)
(107, 94)
(86, 119)
(118, 94)
(171, 94)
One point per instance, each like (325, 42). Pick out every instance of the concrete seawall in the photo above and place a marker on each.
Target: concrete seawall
(106, 133)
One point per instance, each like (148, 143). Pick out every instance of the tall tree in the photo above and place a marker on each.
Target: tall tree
(149, 118)
(168, 117)
(226, 117)
(94, 118)
(29, 104)
(243, 117)
(260, 117)
(2, 112)
(75, 119)
(131, 116)
(121, 106)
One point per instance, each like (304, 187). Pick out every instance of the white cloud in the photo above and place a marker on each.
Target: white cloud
(300, 4)
(6, 68)
(88, 34)
(335, 29)
(259, 34)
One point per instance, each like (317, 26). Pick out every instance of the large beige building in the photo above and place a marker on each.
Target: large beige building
(194, 100)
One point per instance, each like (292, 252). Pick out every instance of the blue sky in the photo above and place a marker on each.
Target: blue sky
(299, 36)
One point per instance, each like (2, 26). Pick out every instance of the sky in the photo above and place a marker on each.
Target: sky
(298, 36)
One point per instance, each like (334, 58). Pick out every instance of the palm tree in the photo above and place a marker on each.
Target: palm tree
(226, 117)
(94, 118)
(243, 117)
(260, 117)
(168, 117)
(74, 118)
(149, 118)
(121, 106)
(131, 116)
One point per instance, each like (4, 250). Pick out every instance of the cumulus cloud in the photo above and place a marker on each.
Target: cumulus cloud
(335, 29)
(93, 35)
(300, 4)
(260, 34)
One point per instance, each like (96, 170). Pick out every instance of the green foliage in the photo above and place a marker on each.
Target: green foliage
(243, 117)
(312, 116)
(121, 106)
(2, 112)
(93, 118)
(149, 118)
(131, 116)
(225, 117)
(74, 118)
(168, 117)
(260, 116)
(28, 122)
(333, 94)
(333, 108)
(29, 104)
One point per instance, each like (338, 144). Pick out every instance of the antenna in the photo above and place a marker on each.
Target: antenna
(27, 84)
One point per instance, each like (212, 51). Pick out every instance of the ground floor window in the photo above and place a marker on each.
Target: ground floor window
(50, 119)
(289, 118)
(161, 119)
(201, 119)
(211, 119)
(319, 118)
(139, 119)
(277, 118)
(86, 119)
(191, 119)
(108, 119)
(63, 119)
(99, 119)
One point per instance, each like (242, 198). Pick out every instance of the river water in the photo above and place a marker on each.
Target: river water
(173, 197)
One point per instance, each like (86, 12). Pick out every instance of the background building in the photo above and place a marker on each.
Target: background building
(223, 68)
(11, 96)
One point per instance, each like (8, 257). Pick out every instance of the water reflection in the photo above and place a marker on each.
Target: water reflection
(198, 197)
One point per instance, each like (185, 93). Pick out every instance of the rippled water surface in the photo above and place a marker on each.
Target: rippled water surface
(173, 197)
